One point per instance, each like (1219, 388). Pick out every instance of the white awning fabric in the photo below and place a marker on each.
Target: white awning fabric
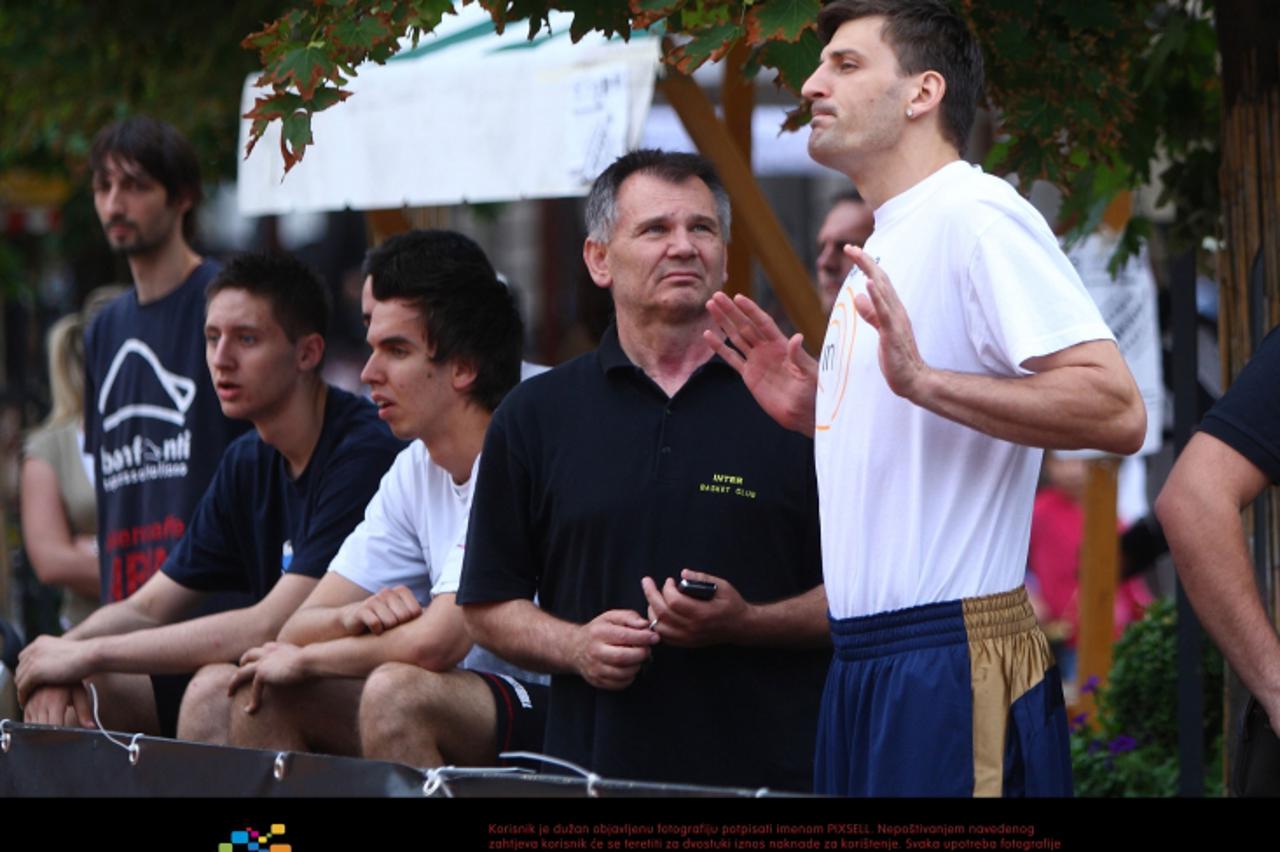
(467, 116)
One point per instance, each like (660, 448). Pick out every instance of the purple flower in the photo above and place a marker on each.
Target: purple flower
(1077, 722)
(1122, 743)
(1094, 746)
(1090, 685)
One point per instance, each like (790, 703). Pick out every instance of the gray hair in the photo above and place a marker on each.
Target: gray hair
(674, 167)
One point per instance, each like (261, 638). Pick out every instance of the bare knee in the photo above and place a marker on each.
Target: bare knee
(205, 712)
(396, 701)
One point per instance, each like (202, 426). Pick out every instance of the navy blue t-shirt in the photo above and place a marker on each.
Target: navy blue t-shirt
(154, 425)
(1247, 418)
(255, 523)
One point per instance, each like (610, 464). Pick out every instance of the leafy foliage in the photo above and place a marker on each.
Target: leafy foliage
(71, 66)
(1089, 93)
(1132, 751)
(1087, 102)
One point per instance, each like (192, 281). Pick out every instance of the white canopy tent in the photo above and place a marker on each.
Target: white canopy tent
(467, 116)
(473, 116)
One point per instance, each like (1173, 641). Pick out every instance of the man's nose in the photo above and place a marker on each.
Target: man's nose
(370, 373)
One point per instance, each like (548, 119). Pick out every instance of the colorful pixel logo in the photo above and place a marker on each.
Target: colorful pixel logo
(251, 841)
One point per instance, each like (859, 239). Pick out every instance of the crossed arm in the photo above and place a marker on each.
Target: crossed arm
(1081, 396)
(343, 631)
(1199, 508)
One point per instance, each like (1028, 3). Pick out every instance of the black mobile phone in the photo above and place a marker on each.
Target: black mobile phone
(699, 589)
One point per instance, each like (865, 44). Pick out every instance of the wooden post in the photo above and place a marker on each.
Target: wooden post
(738, 98)
(1099, 569)
(386, 223)
(758, 224)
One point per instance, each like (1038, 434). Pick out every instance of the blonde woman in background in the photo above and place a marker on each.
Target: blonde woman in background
(59, 512)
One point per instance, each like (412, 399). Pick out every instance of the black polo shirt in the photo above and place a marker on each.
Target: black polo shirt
(592, 478)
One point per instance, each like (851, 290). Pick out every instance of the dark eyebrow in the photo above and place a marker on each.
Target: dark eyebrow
(842, 53)
(392, 340)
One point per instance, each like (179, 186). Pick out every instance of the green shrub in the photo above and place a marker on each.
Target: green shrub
(1133, 748)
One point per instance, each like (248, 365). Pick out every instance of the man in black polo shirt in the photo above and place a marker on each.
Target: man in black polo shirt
(1225, 466)
(605, 481)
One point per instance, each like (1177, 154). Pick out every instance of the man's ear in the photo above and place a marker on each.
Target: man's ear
(596, 256)
(463, 374)
(929, 89)
(310, 351)
(181, 202)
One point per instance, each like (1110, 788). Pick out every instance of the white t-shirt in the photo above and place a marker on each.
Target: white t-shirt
(915, 508)
(414, 534)
(414, 530)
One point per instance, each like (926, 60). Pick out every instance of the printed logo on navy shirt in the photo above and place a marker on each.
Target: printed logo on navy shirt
(286, 556)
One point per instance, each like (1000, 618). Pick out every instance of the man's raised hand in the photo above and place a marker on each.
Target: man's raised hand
(779, 373)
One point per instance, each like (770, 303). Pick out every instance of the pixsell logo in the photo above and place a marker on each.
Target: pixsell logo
(250, 840)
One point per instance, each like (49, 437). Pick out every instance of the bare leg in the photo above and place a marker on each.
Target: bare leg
(316, 716)
(126, 702)
(206, 706)
(423, 718)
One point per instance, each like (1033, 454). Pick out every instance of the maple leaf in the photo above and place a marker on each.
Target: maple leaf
(644, 13)
(710, 43)
(781, 19)
(794, 61)
(306, 66)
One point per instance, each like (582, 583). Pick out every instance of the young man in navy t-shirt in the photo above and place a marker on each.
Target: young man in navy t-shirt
(281, 502)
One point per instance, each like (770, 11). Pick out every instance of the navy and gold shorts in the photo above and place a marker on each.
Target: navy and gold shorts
(959, 698)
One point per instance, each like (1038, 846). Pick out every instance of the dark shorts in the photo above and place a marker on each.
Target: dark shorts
(168, 690)
(521, 711)
(959, 698)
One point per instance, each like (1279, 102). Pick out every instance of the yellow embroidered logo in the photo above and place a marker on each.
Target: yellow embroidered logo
(727, 483)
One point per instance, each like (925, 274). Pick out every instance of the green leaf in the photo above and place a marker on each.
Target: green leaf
(363, 32)
(297, 130)
(647, 12)
(794, 61)
(781, 19)
(711, 43)
(604, 16)
(295, 136)
(327, 96)
(275, 106)
(306, 66)
(427, 14)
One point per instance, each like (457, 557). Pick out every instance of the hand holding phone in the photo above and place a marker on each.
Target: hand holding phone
(700, 589)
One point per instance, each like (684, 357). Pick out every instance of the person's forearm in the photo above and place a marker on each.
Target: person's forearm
(797, 621)
(1207, 541)
(1067, 408)
(112, 619)
(65, 563)
(184, 646)
(314, 624)
(525, 635)
(357, 656)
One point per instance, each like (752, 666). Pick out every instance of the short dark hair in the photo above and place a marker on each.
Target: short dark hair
(300, 303)
(672, 166)
(925, 35)
(467, 312)
(161, 151)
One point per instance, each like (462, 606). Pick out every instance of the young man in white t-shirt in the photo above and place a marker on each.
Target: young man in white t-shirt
(929, 404)
(446, 341)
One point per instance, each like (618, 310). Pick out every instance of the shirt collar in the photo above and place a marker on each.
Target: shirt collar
(612, 357)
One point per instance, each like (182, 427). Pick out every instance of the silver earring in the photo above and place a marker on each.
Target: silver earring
(910, 112)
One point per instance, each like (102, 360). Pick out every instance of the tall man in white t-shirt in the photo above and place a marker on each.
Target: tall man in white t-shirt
(929, 403)
(446, 341)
